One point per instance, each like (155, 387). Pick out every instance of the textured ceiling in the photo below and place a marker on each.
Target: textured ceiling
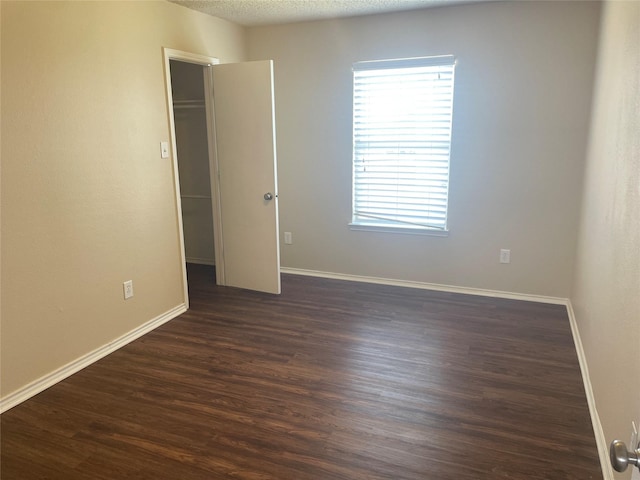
(267, 12)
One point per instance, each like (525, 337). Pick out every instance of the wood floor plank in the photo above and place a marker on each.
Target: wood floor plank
(330, 380)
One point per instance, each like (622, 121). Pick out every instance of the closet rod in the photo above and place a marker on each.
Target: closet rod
(197, 197)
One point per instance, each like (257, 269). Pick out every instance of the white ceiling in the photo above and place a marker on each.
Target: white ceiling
(268, 12)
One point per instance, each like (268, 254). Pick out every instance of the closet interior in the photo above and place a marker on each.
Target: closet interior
(187, 84)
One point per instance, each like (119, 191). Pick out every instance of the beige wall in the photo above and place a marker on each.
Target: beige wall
(606, 297)
(523, 92)
(87, 202)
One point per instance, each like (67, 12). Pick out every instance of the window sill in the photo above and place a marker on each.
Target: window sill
(402, 230)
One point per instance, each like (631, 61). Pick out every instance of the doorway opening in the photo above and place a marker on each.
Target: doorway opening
(190, 126)
(241, 175)
(190, 102)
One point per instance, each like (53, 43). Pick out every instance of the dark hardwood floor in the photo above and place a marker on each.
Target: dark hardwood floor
(330, 380)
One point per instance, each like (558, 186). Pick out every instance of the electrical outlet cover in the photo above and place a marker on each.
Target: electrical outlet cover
(128, 289)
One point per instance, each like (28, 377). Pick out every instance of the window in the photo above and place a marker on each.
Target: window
(402, 113)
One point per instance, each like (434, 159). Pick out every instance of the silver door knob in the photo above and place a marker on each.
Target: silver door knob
(621, 458)
(268, 196)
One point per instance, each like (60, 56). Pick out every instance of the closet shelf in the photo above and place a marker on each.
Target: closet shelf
(188, 104)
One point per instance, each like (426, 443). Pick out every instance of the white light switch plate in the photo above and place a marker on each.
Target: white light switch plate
(164, 149)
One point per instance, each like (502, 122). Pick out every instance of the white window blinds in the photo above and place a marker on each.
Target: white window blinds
(402, 113)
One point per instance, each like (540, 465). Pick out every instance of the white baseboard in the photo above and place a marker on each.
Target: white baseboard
(69, 369)
(427, 286)
(601, 441)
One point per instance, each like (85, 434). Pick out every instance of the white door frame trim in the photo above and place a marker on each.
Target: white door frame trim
(205, 61)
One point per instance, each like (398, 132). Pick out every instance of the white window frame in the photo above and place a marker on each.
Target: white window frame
(417, 160)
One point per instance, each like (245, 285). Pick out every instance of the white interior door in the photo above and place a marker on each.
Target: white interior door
(246, 159)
